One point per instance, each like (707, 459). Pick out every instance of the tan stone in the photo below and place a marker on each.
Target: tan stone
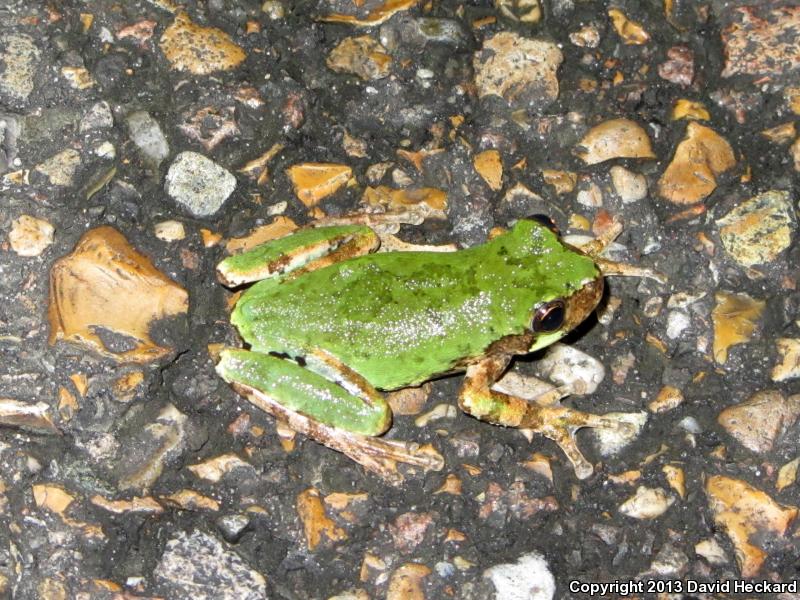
(630, 31)
(362, 56)
(692, 174)
(750, 518)
(616, 138)
(490, 167)
(106, 283)
(406, 582)
(691, 110)
(760, 420)
(314, 181)
(520, 70)
(197, 49)
(316, 523)
(789, 367)
(373, 17)
(734, 317)
(214, 469)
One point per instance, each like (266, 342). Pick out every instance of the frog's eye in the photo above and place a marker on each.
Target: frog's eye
(547, 221)
(549, 317)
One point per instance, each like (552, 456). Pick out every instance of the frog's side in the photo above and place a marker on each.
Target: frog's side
(329, 325)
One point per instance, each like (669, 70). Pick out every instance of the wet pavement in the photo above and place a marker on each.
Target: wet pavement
(143, 142)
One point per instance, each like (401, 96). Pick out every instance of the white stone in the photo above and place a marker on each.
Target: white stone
(566, 365)
(198, 183)
(147, 135)
(527, 579)
(199, 566)
(169, 231)
(610, 442)
(677, 322)
(629, 186)
(647, 503)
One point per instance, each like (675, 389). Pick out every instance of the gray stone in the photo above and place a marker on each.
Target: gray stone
(199, 566)
(198, 183)
(10, 128)
(99, 116)
(232, 527)
(147, 135)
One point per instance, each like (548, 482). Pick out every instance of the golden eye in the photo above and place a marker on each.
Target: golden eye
(549, 317)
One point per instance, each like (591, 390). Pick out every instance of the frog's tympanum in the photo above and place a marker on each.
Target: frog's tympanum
(330, 323)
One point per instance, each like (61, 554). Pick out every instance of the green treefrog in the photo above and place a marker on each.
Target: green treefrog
(330, 322)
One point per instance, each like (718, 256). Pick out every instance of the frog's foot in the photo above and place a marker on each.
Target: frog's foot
(343, 414)
(560, 424)
(596, 247)
(388, 222)
(540, 415)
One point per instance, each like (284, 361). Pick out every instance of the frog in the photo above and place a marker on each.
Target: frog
(330, 323)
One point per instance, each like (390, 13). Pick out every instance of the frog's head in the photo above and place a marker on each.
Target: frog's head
(572, 283)
(578, 270)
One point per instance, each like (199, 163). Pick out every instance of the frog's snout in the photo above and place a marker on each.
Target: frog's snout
(583, 302)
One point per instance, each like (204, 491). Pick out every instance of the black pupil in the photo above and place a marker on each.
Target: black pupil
(550, 317)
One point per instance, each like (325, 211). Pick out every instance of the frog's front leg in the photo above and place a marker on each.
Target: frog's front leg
(329, 402)
(553, 421)
(298, 252)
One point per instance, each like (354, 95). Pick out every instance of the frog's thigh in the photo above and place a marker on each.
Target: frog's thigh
(303, 251)
(336, 399)
(556, 422)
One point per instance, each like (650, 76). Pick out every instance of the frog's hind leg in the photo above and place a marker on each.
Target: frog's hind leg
(553, 421)
(328, 402)
(299, 252)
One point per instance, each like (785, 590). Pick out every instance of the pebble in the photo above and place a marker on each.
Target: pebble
(361, 56)
(789, 365)
(198, 183)
(10, 129)
(60, 169)
(760, 420)
(751, 518)
(169, 231)
(20, 57)
(197, 49)
(30, 236)
(566, 365)
(711, 550)
(758, 229)
(647, 503)
(232, 527)
(629, 186)
(610, 442)
(678, 321)
(199, 566)
(145, 453)
(106, 285)
(529, 578)
(700, 157)
(147, 135)
(760, 40)
(520, 70)
(616, 138)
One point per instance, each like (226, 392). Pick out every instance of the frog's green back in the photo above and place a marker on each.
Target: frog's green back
(401, 318)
